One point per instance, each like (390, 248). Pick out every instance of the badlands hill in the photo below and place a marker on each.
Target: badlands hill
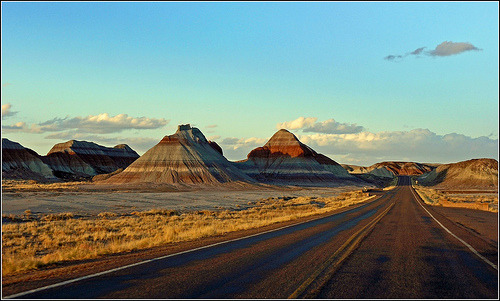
(471, 174)
(72, 160)
(286, 160)
(185, 157)
(81, 159)
(23, 163)
(391, 168)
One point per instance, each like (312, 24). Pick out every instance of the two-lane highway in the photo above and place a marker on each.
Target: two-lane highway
(411, 254)
(402, 253)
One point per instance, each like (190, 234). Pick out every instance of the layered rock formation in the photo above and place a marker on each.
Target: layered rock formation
(390, 169)
(286, 160)
(404, 168)
(19, 162)
(356, 169)
(82, 160)
(470, 174)
(184, 157)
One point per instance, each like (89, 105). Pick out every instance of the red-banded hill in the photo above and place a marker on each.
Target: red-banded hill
(286, 160)
(81, 159)
(23, 163)
(185, 157)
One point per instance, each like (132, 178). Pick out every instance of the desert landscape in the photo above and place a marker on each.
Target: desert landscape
(184, 190)
(249, 150)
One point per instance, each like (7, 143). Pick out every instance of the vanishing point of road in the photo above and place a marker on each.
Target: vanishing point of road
(393, 246)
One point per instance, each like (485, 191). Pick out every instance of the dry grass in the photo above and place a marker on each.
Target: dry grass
(30, 242)
(487, 202)
(32, 185)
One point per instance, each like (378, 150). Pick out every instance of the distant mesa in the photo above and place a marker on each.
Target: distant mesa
(286, 160)
(470, 174)
(23, 163)
(81, 159)
(390, 169)
(70, 161)
(185, 157)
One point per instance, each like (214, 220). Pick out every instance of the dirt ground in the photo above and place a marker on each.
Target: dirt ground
(92, 199)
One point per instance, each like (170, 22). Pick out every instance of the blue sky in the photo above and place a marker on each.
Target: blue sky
(131, 72)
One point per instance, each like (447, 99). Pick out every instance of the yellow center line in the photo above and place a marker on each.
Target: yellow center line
(341, 254)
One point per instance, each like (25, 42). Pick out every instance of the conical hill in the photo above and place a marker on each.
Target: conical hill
(184, 157)
(286, 160)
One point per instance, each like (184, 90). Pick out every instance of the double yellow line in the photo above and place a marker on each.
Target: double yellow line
(341, 254)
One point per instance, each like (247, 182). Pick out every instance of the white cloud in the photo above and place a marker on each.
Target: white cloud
(238, 148)
(417, 51)
(366, 148)
(6, 112)
(450, 48)
(99, 124)
(211, 126)
(236, 143)
(21, 127)
(215, 137)
(298, 123)
(139, 144)
(229, 141)
(419, 145)
(329, 126)
(444, 49)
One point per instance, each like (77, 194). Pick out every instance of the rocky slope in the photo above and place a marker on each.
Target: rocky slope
(470, 174)
(286, 160)
(83, 160)
(19, 162)
(391, 168)
(185, 157)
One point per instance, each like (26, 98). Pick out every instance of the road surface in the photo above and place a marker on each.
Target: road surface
(390, 247)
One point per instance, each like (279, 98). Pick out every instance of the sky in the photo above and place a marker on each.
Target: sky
(361, 82)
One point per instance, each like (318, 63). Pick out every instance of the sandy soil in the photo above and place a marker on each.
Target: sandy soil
(90, 200)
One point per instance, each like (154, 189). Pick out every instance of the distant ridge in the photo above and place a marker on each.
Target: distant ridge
(470, 174)
(71, 160)
(391, 168)
(86, 159)
(286, 160)
(19, 162)
(185, 157)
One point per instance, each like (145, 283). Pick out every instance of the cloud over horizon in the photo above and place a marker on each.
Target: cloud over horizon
(298, 123)
(139, 144)
(358, 146)
(446, 48)
(97, 124)
(421, 145)
(450, 48)
(329, 126)
(6, 112)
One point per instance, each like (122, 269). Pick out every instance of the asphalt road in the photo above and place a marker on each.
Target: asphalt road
(409, 255)
(387, 248)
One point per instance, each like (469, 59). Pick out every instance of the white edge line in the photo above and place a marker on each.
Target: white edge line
(157, 258)
(459, 239)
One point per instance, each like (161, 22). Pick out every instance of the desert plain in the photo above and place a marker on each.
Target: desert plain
(286, 207)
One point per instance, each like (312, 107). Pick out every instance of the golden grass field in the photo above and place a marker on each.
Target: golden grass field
(487, 202)
(19, 185)
(31, 241)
